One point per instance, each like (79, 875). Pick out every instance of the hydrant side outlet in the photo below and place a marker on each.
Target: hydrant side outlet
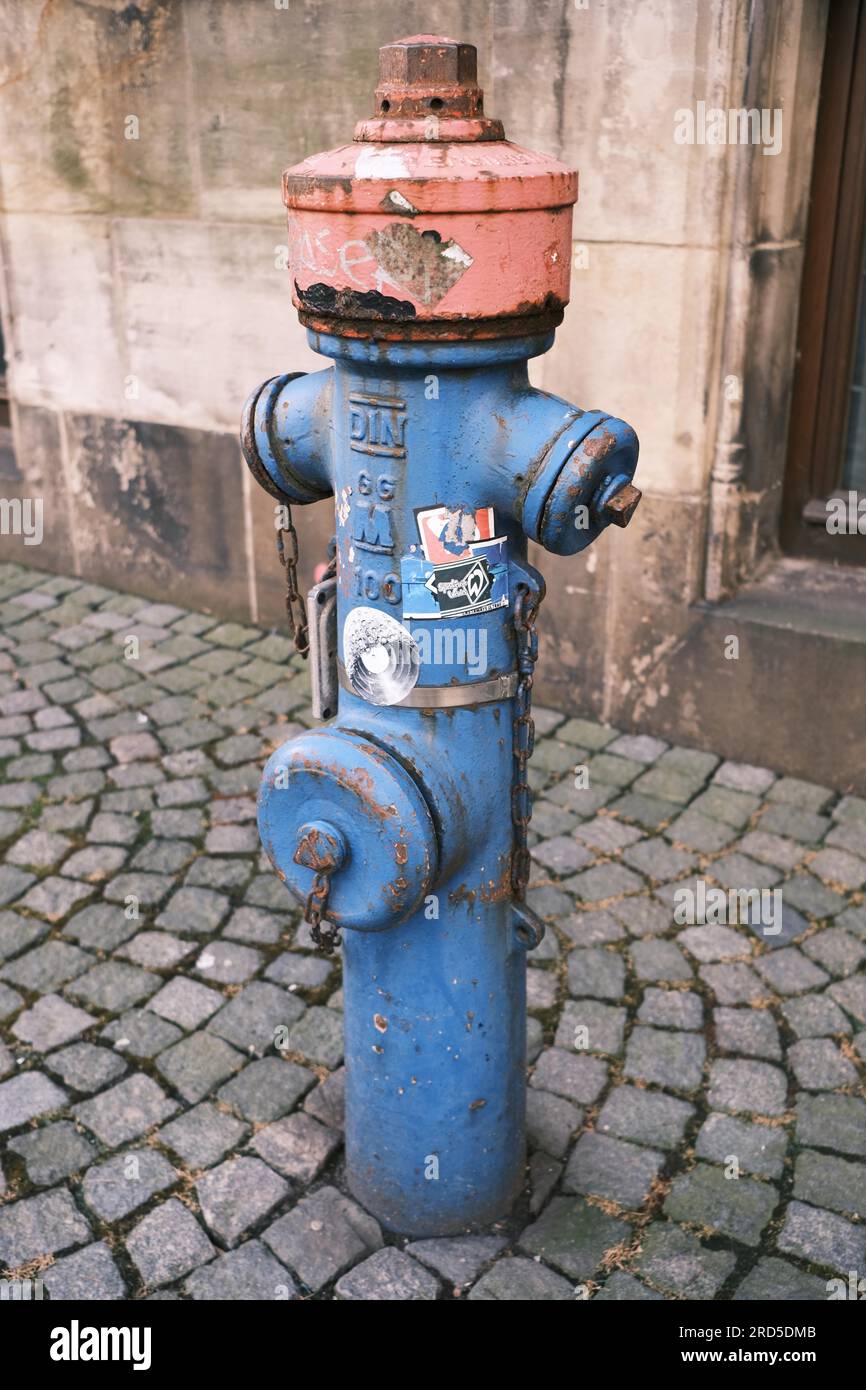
(430, 260)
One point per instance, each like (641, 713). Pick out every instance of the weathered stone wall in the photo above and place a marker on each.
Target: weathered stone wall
(144, 294)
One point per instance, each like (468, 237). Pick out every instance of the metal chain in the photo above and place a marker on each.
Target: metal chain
(526, 608)
(296, 609)
(325, 935)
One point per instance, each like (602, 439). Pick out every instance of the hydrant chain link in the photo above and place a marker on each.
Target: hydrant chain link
(325, 935)
(296, 611)
(523, 733)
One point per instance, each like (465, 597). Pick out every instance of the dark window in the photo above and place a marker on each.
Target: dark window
(825, 484)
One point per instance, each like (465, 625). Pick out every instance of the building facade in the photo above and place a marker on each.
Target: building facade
(144, 290)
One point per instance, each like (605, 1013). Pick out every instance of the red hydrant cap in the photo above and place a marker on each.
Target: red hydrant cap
(430, 224)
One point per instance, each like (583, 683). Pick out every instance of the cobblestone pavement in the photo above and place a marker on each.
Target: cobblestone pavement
(156, 1145)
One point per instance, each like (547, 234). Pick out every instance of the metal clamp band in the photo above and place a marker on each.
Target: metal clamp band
(450, 696)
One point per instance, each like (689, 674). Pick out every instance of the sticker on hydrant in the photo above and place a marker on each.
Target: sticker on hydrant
(448, 533)
(380, 656)
(476, 584)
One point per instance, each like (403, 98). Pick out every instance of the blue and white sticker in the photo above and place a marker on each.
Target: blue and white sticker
(476, 583)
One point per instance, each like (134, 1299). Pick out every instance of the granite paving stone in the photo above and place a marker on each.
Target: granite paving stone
(601, 1166)
(521, 1280)
(248, 1273)
(318, 1037)
(819, 1065)
(570, 1074)
(10, 1002)
(389, 1274)
(37, 1226)
(836, 951)
(203, 1135)
(574, 1237)
(647, 1117)
(168, 1243)
(624, 1288)
(186, 1002)
(51, 1022)
(656, 961)
(672, 1008)
(113, 986)
(677, 1262)
(551, 1121)
(755, 1148)
(751, 1032)
(88, 1274)
(141, 1033)
(51, 1153)
(27, 1095)
(828, 1181)
(458, 1259)
(162, 1003)
(323, 1235)
(822, 1238)
(259, 1018)
(832, 1122)
(114, 1189)
(674, 1060)
(734, 984)
(739, 1208)
(196, 910)
(297, 1146)
(591, 1026)
(815, 1016)
(86, 1067)
(197, 1064)
(227, 962)
(266, 1089)
(790, 972)
(748, 1087)
(596, 973)
(771, 1280)
(238, 1194)
(850, 994)
(53, 898)
(125, 1111)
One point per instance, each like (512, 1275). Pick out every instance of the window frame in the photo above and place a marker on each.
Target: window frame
(830, 295)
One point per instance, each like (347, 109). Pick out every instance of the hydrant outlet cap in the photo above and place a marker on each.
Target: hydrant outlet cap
(331, 801)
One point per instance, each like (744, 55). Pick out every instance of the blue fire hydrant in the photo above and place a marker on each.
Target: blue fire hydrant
(430, 260)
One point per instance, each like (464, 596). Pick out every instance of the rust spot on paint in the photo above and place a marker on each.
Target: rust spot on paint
(599, 445)
(298, 186)
(380, 1023)
(498, 890)
(401, 852)
(316, 851)
(477, 1104)
(462, 895)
